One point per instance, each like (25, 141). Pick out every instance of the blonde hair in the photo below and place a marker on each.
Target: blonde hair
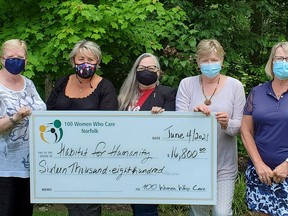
(129, 91)
(14, 43)
(269, 64)
(82, 47)
(207, 46)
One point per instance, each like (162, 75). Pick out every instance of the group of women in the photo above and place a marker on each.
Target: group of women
(262, 120)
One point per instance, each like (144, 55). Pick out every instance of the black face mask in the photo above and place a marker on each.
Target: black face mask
(146, 77)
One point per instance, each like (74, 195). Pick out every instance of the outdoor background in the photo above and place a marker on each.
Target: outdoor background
(170, 29)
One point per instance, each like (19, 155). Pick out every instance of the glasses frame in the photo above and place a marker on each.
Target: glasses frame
(153, 68)
(280, 59)
(22, 58)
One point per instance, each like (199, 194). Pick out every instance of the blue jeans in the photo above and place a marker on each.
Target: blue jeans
(145, 209)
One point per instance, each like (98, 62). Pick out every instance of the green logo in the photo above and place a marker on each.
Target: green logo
(52, 132)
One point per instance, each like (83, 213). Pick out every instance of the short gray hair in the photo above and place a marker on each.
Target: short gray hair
(84, 46)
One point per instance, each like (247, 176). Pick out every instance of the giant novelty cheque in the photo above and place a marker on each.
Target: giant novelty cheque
(123, 157)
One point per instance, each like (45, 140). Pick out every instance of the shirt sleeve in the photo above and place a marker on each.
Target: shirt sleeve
(235, 120)
(248, 109)
(38, 102)
(182, 97)
(108, 97)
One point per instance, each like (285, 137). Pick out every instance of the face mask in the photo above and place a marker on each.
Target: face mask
(14, 65)
(85, 70)
(210, 70)
(146, 77)
(280, 70)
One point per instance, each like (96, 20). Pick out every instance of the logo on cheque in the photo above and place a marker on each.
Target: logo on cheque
(52, 132)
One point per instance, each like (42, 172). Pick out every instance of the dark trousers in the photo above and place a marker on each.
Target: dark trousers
(15, 197)
(145, 209)
(84, 209)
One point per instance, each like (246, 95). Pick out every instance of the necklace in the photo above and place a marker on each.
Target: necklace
(82, 83)
(208, 101)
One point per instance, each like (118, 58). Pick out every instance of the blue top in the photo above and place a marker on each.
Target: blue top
(270, 120)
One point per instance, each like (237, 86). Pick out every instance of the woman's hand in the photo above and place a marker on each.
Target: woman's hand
(280, 172)
(156, 110)
(264, 172)
(22, 113)
(222, 119)
(203, 108)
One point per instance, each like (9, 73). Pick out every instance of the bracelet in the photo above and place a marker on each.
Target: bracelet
(12, 120)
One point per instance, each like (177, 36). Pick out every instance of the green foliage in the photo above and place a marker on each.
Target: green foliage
(177, 60)
(171, 29)
(173, 210)
(123, 29)
(246, 29)
(239, 206)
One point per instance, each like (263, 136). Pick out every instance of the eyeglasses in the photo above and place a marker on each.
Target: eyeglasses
(19, 57)
(150, 68)
(280, 59)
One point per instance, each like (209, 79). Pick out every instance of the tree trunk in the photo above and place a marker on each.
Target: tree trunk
(48, 86)
(256, 28)
(198, 3)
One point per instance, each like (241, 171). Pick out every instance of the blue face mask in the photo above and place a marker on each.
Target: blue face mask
(14, 65)
(280, 70)
(210, 70)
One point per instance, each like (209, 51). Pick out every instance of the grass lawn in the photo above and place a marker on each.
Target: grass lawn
(108, 210)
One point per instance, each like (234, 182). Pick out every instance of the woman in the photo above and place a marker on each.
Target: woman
(83, 90)
(214, 92)
(263, 131)
(18, 97)
(141, 91)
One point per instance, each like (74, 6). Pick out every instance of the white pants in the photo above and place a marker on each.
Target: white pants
(224, 201)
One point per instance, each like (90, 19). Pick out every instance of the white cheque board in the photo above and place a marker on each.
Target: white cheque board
(123, 157)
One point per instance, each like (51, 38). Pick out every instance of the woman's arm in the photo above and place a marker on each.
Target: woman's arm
(182, 97)
(232, 124)
(247, 134)
(7, 122)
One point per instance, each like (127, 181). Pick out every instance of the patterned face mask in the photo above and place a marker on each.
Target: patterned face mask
(85, 70)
